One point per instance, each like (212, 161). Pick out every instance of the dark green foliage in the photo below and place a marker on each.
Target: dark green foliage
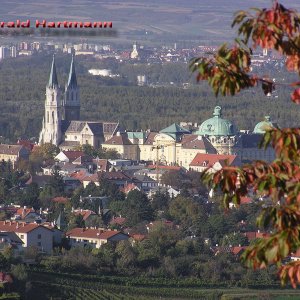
(160, 201)
(137, 208)
(56, 182)
(31, 197)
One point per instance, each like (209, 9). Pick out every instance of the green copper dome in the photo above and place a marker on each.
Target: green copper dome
(217, 126)
(262, 126)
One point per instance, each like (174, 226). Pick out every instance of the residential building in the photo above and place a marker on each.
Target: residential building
(13, 153)
(94, 237)
(214, 162)
(11, 240)
(122, 145)
(68, 156)
(31, 234)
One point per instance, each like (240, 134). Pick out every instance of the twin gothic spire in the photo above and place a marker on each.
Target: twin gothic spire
(72, 80)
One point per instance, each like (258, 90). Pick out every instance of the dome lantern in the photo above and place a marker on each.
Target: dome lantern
(217, 126)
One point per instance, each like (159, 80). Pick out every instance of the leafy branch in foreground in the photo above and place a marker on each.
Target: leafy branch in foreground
(277, 184)
(228, 71)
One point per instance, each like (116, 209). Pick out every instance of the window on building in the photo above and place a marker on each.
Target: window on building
(39, 244)
(22, 236)
(39, 236)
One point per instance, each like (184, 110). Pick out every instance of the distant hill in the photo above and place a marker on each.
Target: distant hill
(22, 97)
(155, 20)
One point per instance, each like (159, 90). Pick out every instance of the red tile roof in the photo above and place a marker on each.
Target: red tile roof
(82, 160)
(150, 138)
(10, 149)
(100, 234)
(102, 164)
(19, 227)
(62, 200)
(23, 212)
(114, 175)
(138, 237)
(91, 178)
(72, 155)
(80, 175)
(208, 160)
(192, 141)
(27, 144)
(251, 235)
(84, 212)
(118, 140)
(118, 221)
(129, 187)
(237, 250)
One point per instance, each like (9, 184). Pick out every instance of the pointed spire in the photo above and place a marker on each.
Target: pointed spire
(53, 82)
(61, 222)
(72, 81)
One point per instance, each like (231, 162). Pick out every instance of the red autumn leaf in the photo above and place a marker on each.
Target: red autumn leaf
(296, 96)
(292, 63)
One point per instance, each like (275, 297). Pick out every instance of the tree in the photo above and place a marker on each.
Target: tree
(187, 213)
(19, 272)
(43, 154)
(172, 178)
(137, 208)
(56, 182)
(127, 256)
(228, 72)
(160, 201)
(31, 197)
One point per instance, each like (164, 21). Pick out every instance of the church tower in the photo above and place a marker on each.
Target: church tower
(71, 104)
(51, 130)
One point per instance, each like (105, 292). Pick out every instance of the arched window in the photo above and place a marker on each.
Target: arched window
(52, 97)
(47, 116)
(52, 117)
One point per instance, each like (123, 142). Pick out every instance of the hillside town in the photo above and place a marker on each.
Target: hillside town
(79, 168)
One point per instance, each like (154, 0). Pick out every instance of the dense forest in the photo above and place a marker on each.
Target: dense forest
(22, 94)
